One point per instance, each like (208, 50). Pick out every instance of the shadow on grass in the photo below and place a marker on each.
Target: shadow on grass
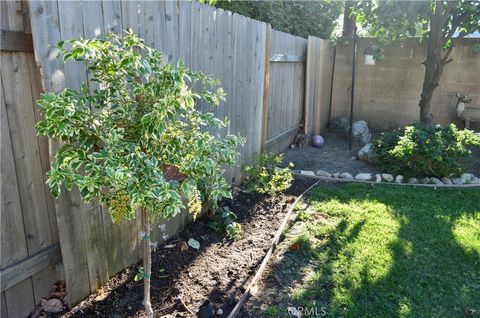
(386, 252)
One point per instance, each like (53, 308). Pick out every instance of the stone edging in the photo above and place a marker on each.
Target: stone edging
(333, 179)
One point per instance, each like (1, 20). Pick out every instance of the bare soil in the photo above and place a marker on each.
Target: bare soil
(219, 271)
(333, 156)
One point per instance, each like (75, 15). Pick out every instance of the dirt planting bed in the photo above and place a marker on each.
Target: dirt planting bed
(219, 271)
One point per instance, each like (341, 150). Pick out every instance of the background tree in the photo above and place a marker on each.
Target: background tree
(132, 138)
(437, 22)
(301, 18)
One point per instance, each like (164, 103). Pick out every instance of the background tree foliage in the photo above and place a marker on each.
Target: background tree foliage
(437, 22)
(302, 18)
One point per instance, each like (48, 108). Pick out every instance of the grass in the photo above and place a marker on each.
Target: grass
(386, 251)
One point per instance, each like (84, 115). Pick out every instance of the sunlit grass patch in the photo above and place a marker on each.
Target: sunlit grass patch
(387, 252)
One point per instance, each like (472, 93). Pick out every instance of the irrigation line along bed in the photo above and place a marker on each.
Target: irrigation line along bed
(236, 310)
(332, 179)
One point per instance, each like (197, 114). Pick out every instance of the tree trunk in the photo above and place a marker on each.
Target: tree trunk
(147, 264)
(348, 21)
(434, 63)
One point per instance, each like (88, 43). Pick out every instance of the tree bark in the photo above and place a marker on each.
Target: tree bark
(433, 64)
(147, 264)
(348, 21)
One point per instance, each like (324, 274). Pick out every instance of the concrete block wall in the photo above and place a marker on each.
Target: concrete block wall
(387, 93)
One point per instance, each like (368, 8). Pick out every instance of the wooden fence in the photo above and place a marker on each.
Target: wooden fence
(29, 235)
(264, 73)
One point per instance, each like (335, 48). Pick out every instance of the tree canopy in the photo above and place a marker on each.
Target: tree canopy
(301, 18)
(437, 22)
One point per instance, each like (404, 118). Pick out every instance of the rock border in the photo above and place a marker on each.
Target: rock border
(386, 179)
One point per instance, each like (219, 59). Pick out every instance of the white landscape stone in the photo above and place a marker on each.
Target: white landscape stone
(446, 180)
(307, 173)
(475, 180)
(363, 177)
(413, 180)
(378, 177)
(336, 175)
(426, 180)
(436, 181)
(466, 177)
(399, 179)
(346, 175)
(323, 173)
(387, 177)
(458, 181)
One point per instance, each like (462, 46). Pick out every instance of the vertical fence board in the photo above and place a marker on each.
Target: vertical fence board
(13, 239)
(18, 100)
(20, 299)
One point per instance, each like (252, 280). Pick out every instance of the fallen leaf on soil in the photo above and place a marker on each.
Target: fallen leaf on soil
(194, 243)
(52, 305)
(294, 247)
(183, 246)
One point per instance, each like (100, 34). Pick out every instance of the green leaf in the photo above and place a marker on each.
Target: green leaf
(139, 276)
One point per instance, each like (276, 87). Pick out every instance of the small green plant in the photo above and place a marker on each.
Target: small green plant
(425, 150)
(225, 221)
(264, 176)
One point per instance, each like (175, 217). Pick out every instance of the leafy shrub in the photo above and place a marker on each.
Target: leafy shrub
(132, 137)
(425, 150)
(226, 221)
(265, 176)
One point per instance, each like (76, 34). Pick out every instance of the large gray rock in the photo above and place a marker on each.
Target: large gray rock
(399, 178)
(346, 175)
(361, 132)
(387, 177)
(322, 173)
(475, 180)
(336, 175)
(363, 177)
(378, 177)
(366, 153)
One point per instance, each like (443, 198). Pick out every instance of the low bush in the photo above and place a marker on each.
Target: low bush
(425, 150)
(264, 176)
(225, 221)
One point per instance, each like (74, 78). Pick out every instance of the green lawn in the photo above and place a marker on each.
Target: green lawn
(386, 251)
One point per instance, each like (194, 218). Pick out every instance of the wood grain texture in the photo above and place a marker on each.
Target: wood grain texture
(29, 266)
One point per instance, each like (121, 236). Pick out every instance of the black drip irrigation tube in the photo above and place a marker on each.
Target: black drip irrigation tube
(236, 310)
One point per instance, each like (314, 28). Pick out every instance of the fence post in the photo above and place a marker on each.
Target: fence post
(266, 84)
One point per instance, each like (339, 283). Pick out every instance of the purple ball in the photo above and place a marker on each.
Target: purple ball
(317, 141)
